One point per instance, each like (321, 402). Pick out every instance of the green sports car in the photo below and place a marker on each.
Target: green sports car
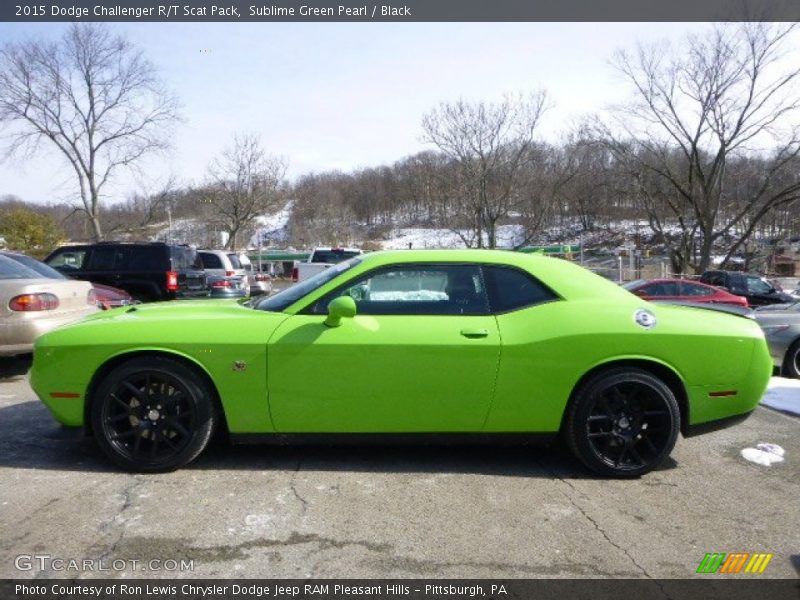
(444, 342)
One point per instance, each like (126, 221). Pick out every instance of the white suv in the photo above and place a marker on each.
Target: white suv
(222, 263)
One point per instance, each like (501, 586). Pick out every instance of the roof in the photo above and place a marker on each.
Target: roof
(567, 278)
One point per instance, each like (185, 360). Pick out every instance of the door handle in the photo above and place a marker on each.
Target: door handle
(475, 333)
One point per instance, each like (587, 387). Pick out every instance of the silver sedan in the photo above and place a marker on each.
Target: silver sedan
(31, 304)
(781, 325)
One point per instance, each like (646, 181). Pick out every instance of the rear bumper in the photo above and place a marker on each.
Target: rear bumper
(725, 402)
(19, 334)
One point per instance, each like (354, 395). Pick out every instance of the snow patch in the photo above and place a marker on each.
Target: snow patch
(783, 394)
(272, 228)
(764, 454)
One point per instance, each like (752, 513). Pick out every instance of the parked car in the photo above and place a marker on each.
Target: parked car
(111, 297)
(260, 283)
(221, 286)
(781, 325)
(225, 270)
(410, 342)
(321, 259)
(31, 305)
(682, 290)
(755, 288)
(106, 296)
(148, 271)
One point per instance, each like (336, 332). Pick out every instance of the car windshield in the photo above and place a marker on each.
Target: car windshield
(11, 269)
(292, 294)
(34, 265)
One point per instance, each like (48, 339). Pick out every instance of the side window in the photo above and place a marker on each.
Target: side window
(716, 279)
(511, 289)
(211, 261)
(146, 258)
(663, 288)
(68, 260)
(755, 285)
(104, 258)
(416, 290)
(692, 289)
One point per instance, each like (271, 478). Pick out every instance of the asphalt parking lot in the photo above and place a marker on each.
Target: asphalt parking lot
(505, 512)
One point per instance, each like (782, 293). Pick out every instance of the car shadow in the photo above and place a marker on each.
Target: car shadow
(30, 439)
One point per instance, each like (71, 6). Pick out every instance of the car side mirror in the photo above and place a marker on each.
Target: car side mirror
(343, 307)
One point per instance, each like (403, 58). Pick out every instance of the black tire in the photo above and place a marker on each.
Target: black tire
(791, 362)
(153, 414)
(622, 423)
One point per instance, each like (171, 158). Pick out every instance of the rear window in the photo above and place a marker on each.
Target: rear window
(33, 264)
(333, 256)
(185, 258)
(11, 269)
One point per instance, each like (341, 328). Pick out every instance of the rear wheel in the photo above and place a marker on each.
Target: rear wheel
(623, 423)
(153, 414)
(791, 363)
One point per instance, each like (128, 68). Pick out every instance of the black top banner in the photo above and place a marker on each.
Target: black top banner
(401, 10)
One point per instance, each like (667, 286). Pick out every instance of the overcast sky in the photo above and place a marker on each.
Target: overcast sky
(343, 95)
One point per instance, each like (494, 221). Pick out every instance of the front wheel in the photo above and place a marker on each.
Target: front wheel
(623, 423)
(153, 414)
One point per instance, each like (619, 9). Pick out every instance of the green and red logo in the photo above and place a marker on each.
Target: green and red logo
(735, 562)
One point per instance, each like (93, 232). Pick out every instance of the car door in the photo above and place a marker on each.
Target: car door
(421, 355)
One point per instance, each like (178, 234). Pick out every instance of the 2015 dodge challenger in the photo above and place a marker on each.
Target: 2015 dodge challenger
(444, 342)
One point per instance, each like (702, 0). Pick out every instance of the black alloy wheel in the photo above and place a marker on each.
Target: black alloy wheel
(623, 423)
(153, 414)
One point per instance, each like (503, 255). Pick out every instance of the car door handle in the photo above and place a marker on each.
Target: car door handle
(475, 333)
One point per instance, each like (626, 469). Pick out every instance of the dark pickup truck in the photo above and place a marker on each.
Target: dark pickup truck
(148, 271)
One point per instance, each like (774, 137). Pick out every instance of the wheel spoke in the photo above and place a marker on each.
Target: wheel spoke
(137, 444)
(123, 404)
(599, 434)
(133, 390)
(154, 445)
(178, 427)
(123, 436)
(635, 454)
(650, 446)
(165, 438)
(593, 418)
(119, 418)
(621, 456)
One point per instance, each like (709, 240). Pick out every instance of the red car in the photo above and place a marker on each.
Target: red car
(111, 297)
(683, 290)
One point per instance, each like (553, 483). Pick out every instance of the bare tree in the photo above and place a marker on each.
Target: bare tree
(490, 143)
(93, 96)
(245, 183)
(724, 96)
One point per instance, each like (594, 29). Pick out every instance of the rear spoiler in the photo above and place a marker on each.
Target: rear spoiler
(731, 309)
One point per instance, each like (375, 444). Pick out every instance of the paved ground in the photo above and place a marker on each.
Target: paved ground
(401, 512)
